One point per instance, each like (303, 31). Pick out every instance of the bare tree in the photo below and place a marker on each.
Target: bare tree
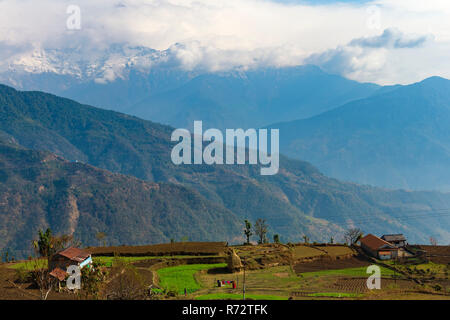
(261, 230)
(41, 278)
(352, 235)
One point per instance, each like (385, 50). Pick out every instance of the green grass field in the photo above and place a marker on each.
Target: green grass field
(30, 264)
(180, 277)
(108, 261)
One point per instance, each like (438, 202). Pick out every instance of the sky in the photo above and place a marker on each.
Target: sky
(381, 41)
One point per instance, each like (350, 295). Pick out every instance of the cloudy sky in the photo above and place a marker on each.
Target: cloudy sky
(382, 41)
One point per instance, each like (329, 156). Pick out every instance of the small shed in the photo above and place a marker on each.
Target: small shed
(61, 260)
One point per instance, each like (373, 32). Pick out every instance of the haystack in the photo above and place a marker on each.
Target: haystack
(234, 262)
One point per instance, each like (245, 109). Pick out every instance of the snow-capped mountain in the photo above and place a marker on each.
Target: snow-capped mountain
(115, 78)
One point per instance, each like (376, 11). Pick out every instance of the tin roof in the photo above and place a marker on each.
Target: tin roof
(75, 254)
(58, 273)
(375, 243)
(393, 237)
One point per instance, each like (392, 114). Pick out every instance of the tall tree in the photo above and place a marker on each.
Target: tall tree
(248, 231)
(276, 238)
(44, 246)
(305, 238)
(261, 230)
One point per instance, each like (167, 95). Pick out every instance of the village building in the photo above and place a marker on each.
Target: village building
(378, 248)
(61, 260)
(384, 250)
(397, 240)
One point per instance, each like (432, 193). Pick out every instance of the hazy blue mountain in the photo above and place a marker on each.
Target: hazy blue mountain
(153, 85)
(298, 200)
(146, 83)
(251, 98)
(397, 138)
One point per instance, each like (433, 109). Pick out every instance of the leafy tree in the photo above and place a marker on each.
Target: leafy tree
(261, 230)
(305, 239)
(44, 246)
(48, 244)
(331, 240)
(276, 238)
(248, 230)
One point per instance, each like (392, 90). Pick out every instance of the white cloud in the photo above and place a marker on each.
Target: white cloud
(222, 34)
(388, 56)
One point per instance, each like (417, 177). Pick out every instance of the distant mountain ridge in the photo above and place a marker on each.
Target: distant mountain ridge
(251, 99)
(397, 138)
(153, 85)
(40, 190)
(298, 200)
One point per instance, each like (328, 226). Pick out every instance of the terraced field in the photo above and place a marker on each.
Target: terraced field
(165, 249)
(326, 263)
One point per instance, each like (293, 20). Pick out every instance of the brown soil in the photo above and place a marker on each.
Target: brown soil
(165, 249)
(358, 285)
(326, 263)
(437, 254)
(10, 289)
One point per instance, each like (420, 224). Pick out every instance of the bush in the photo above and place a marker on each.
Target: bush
(23, 275)
(125, 283)
(437, 287)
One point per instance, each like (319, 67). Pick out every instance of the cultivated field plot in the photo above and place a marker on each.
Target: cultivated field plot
(326, 263)
(264, 256)
(359, 285)
(166, 249)
(302, 252)
(437, 254)
(337, 251)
